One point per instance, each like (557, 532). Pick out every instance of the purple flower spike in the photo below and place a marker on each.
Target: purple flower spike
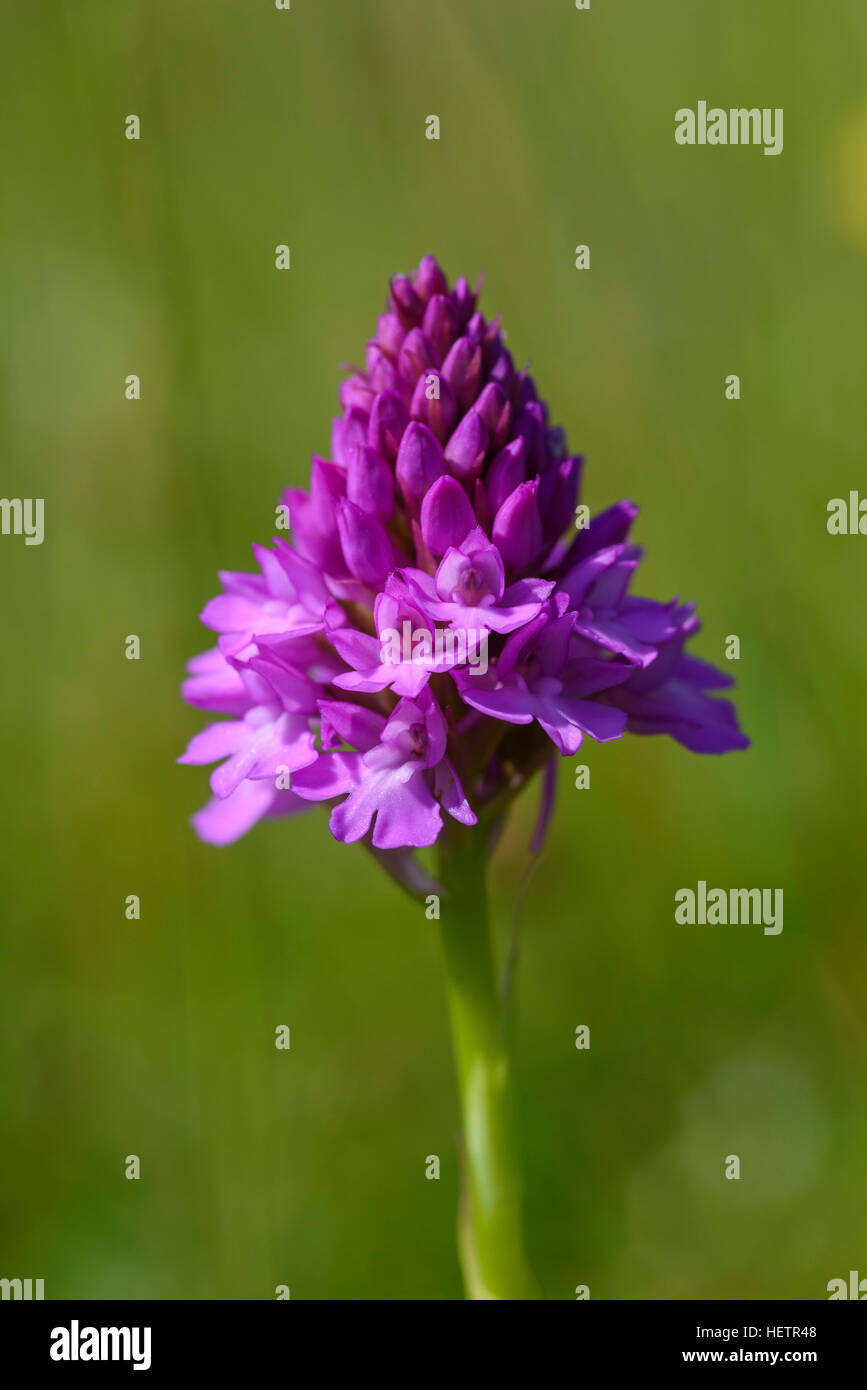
(436, 608)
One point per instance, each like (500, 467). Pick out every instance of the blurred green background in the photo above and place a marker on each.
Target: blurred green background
(156, 1037)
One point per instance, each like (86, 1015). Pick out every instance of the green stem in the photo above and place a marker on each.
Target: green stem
(490, 1236)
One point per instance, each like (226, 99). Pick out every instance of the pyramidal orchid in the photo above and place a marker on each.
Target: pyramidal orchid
(445, 622)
